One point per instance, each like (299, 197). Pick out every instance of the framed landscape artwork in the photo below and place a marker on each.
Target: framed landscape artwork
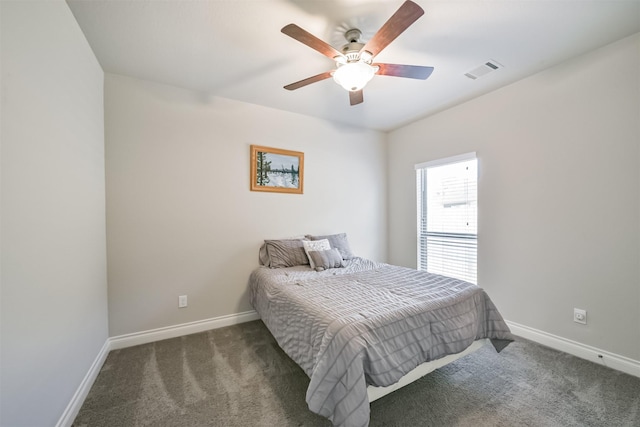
(276, 170)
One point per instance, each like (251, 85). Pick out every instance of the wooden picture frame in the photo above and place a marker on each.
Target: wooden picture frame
(276, 170)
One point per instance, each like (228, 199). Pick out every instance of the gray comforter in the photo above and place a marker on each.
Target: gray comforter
(368, 323)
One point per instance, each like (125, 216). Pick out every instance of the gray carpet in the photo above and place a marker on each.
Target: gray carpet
(238, 376)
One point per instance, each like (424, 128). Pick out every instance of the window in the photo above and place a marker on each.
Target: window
(447, 216)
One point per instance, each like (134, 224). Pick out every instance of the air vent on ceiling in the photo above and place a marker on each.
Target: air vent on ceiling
(483, 70)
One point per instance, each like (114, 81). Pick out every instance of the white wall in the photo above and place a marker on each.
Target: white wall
(181, 218)
(54, 289)
(559, 194)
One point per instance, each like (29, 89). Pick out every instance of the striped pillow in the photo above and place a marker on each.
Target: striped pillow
(324, 260)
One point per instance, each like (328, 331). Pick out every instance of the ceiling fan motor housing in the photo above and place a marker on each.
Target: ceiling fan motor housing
(352, 51)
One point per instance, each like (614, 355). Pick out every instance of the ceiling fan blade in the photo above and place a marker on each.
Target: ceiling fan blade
(356, 97)
(408, 13)
(305, 37)
(308, 81)
(410, 71)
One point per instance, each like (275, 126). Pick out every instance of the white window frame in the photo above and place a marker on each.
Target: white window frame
(471, 273)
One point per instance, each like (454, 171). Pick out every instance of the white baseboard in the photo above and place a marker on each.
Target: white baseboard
(77, 400)
(583, 351)
(129, 340)
(144, 337)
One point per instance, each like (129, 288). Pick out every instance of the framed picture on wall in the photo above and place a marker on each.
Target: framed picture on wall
(276, 170)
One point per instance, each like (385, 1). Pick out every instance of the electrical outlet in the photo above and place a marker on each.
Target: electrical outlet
(580, 316)
(182, 301)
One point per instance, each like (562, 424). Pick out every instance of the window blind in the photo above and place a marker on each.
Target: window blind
(447, 216)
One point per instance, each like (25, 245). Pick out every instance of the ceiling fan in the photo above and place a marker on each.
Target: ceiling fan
(354, 65)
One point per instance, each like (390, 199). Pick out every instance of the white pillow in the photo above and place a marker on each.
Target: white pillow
(315, 245)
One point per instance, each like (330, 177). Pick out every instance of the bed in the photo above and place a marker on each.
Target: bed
(358, 327)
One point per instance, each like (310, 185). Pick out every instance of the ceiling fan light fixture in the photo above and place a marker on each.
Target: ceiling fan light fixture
(353, 76)
(366, 56)
(340, 59)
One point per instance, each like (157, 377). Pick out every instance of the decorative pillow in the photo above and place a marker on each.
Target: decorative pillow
(339, 242)
(317, 245)
(283, 253)
(326, 259)
(263, 256)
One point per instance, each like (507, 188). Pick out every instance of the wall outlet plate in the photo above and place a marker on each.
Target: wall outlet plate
(182, 301)
(580, 316)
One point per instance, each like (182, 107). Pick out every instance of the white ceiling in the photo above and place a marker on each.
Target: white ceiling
(234, 49)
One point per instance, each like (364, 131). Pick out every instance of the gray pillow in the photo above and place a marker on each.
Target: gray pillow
(324, 260)
(263, 256)
(283, 253)
(339, 242)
